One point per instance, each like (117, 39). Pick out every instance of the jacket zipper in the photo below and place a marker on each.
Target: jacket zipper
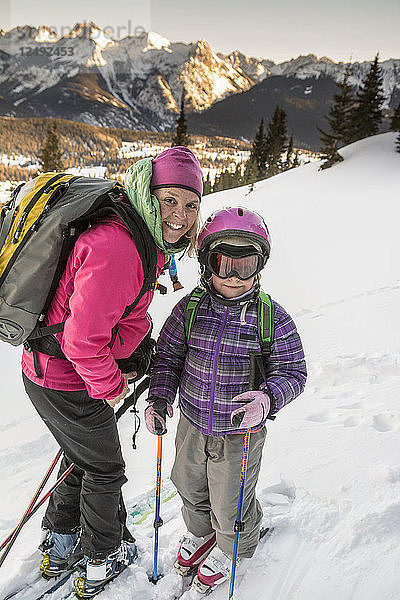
(214, 371)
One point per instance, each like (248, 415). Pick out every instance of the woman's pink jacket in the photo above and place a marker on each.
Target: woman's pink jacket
(103, 276)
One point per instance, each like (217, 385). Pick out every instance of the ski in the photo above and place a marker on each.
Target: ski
(145, 503)
(62, 581)
(70, 595)
(23, 587)
(29, 591)
(102, 587)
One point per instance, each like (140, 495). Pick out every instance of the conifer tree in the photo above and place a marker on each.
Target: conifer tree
(395, 123)
(237, 176)
(217, 187)
(367, 113)
(340, 114)
(50, 158)
(339, 121)
(251, 173)
(296, 161)
(329, 150)
(258, 150)
(181, 137)
(289, 162)
(275, 142)
(207, 187)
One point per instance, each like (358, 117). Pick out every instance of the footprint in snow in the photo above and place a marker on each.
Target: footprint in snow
(321, 417)
(351, 422)
(384, 423)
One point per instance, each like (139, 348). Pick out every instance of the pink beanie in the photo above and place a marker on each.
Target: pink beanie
(177, 167)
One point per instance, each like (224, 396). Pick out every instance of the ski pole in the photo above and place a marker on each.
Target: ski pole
(157, 519)
(239, 525)
(35, 497)
(33, 510)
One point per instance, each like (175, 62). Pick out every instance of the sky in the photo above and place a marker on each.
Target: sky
(342, 30)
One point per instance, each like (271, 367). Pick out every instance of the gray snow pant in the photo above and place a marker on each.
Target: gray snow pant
(206, 473)
(90, 496)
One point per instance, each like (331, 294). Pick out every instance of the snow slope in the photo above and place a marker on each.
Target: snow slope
(330, 480)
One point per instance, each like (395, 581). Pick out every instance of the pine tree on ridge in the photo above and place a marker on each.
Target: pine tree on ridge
(50, 158)
(181, 137)
(339, 121)
(276, 142)
(367, 113)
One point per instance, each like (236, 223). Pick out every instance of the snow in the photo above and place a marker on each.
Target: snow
(100, 37)
(330, 479)
(90, 171)
(45, 34)
(155, 40)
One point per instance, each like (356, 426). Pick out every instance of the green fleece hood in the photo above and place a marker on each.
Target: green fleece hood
(137, 186)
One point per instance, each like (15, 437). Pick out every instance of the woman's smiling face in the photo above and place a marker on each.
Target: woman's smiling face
(179, 209)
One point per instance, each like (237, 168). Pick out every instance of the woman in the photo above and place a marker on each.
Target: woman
(75, 396)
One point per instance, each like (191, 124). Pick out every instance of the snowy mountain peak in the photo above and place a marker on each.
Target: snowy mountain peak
(202, 47)
(90, 31)
(326, 59)
(46, 34)
(155, 41)
(83, 30)
(145, 72)
(256, 68)
(20, 33)
(203, 53)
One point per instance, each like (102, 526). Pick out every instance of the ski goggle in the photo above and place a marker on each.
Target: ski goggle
(242, 267)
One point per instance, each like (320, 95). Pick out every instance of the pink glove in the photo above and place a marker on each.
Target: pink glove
(155, 416)
(254, 410)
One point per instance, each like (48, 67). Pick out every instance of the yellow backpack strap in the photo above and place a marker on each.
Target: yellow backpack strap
(30, 209)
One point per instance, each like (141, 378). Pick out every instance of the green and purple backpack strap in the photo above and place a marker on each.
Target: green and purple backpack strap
(265, 317)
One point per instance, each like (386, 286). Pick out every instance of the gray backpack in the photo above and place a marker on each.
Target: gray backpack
(38, 229)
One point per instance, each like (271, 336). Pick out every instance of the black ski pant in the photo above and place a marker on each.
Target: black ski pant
(90, 496)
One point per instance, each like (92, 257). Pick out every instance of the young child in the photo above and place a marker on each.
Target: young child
(211, 368)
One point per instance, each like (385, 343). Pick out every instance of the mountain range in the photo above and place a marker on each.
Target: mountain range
(137, 83)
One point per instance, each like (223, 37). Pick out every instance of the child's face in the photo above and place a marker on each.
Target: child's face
(232, 287)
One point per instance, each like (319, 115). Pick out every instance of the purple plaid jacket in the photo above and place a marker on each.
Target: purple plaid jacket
(214, 366)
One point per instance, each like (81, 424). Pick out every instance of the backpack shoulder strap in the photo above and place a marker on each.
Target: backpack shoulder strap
(145, 245)
(191, 309)
(266, 337)
(265, 322)
(147, 251)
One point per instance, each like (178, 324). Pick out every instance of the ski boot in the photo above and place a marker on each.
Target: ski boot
(60, 552)
(213, 570)
(100, 572)
(192, 551)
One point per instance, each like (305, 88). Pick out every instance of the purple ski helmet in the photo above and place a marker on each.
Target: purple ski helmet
(239, 221)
